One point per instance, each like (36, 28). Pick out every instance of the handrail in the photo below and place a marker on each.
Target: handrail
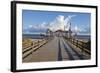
(33, 47)
(84, 46)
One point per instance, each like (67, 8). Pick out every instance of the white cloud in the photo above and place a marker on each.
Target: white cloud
(60, 22)
(43, 25)
(67, 21)
(38, 26)
(30, 26)
(78, 29)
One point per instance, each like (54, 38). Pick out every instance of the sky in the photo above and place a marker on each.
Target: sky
(38, 21)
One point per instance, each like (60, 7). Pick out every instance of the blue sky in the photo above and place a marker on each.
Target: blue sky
(32, 20)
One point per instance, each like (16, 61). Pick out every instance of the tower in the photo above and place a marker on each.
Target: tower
(69, 31)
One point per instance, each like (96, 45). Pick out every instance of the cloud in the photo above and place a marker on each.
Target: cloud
(77, 29)
(35, 28)
(59, 23)
(67, 21)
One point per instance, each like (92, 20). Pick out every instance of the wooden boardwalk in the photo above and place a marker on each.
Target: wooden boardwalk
(58, 49)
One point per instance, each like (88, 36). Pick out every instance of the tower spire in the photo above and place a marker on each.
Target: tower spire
(70, 26)
(69, 31)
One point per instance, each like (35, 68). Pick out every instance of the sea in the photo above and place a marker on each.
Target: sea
(33, 36)
(83, 37)
(39, 36)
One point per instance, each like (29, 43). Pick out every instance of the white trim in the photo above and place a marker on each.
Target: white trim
(21, 65)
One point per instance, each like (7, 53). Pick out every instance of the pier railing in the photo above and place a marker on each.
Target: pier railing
(29, 49)
(84, 46)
